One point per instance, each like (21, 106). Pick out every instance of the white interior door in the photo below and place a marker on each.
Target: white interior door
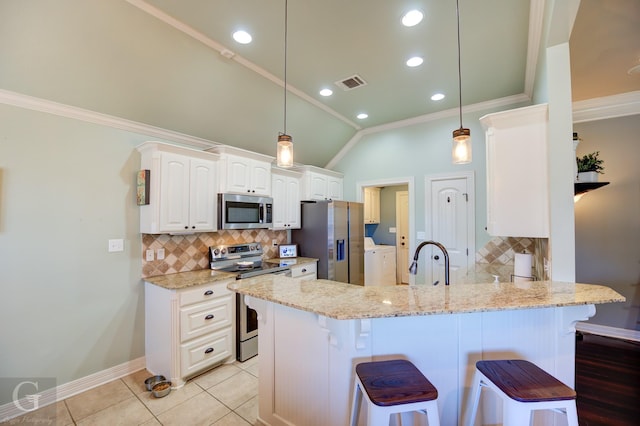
(402, 237)
(452, 224)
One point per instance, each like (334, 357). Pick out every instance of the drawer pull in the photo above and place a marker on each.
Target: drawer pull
(208, 317)
(208, 292)
(208, 350)
(304, 270)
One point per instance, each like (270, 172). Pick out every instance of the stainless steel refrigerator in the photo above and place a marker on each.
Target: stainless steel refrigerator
(333, 232)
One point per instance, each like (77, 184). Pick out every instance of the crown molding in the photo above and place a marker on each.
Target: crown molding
(536, 24)
(452, 112)
(55, 108)
(606, 107)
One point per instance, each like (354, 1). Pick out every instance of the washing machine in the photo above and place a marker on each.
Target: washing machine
(379, 263)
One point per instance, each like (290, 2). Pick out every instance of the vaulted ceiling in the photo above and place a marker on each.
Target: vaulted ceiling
(174, 64)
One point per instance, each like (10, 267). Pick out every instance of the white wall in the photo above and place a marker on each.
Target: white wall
(68, 307)
(608, 219)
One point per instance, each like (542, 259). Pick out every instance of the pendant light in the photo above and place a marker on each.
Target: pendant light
(285, 142)
(461, 150)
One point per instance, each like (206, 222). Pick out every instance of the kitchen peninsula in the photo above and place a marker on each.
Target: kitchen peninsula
(313, 333)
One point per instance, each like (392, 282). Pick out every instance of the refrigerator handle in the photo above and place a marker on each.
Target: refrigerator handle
(340, 250)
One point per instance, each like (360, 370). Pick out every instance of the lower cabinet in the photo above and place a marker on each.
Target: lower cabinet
(188, 331)
(306, 271)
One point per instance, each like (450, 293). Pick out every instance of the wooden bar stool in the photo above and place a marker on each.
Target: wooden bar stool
(523, 387)
(392, 387)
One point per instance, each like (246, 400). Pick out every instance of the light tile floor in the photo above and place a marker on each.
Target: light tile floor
(224, 396)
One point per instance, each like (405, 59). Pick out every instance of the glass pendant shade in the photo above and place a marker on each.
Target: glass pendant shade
(461, 150)
(284, 153)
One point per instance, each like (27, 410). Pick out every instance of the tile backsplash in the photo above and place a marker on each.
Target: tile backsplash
(184, 253)
(502, 250)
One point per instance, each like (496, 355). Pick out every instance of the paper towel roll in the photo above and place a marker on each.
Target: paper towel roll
(522, 267)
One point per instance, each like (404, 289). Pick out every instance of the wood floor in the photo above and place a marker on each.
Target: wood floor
(607, 381)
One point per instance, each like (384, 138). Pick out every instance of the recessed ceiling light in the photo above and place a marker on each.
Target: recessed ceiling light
(415, 61)
(437, 97)
(411, 18)
(326, 92)
(242, 37)
(362, 115)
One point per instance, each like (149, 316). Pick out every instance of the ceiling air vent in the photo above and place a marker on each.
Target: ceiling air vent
(351, 83)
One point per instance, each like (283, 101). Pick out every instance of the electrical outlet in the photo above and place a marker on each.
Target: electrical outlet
(116, 245)
(149, 255)
(160, 254)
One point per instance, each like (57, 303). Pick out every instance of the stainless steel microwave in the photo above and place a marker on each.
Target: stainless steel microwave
(238, 211)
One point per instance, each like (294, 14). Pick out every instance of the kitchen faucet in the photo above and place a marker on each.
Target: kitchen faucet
(413, 269)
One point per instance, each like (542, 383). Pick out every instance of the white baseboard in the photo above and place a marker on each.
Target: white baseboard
(604, 330)
(66, 390)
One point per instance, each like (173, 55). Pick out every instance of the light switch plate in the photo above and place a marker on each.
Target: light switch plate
(160, 254)
(149, 255)
(116, 245)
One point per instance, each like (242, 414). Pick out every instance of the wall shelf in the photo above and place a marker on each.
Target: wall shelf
(582, 187)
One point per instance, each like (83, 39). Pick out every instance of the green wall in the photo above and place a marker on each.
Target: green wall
(69, 308)
(608, 219)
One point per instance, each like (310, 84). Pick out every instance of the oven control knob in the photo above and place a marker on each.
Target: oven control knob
(216, 252)
(223, 251)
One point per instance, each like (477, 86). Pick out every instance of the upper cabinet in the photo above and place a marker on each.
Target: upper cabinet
(244, 172)
(285, 187)
(182, 193)
(517, 172)
(371, 205)
(320, 184)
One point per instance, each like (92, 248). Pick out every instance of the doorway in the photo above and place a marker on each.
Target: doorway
(387, 232)
(450, 220)
(402, 237)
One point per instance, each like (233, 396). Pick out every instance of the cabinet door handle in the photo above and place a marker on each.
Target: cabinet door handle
(208, 350)
(208, 292)
(208, 317)
(304, 270)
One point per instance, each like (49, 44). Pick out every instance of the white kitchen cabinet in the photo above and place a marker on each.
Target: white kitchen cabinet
(244, 172)
(182, 192)
(285, 190)
(305, 271)
(188, 331)
(371, 205)
(517, 172)
(321, 184)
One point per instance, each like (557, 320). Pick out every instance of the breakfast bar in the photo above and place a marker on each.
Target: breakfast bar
(313, 333)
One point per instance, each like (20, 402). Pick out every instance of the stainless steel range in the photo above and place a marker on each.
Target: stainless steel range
(246, 261)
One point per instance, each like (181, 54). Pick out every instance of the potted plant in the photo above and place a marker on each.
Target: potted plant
(589, 166)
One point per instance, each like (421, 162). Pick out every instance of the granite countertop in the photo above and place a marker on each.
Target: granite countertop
(291, 260)
(346, 301)
(208, 276)
(189, 279)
